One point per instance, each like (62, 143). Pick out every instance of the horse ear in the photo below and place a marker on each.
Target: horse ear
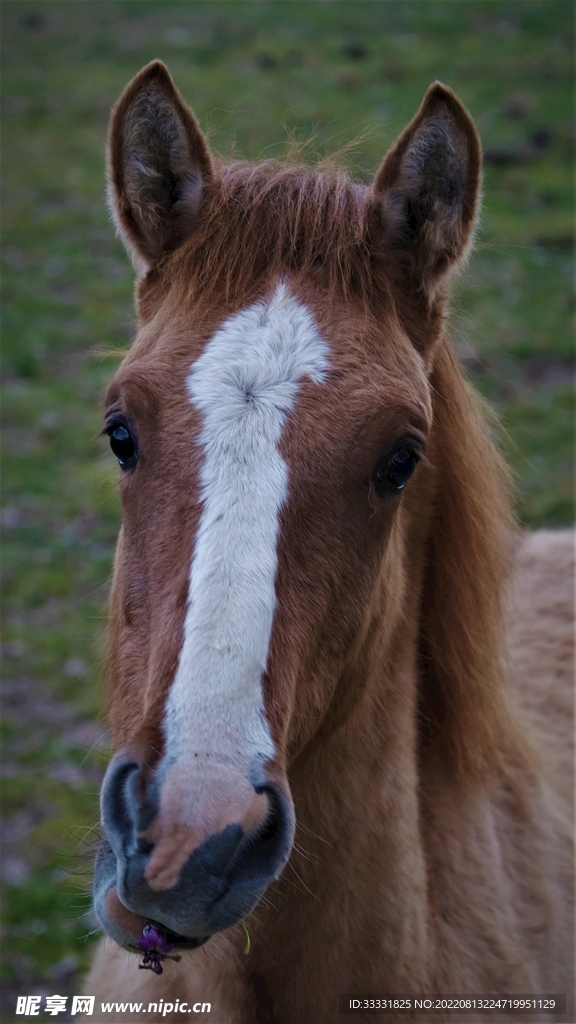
(428, 187)
(158, 166)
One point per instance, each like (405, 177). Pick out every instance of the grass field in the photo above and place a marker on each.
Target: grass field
(252, 71)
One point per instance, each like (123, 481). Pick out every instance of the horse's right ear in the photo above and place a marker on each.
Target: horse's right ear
(158, 167)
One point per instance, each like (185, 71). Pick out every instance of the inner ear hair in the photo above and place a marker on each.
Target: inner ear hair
(158, 166)
(428, 187)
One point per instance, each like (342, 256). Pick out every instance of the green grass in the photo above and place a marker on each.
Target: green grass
(252, 71)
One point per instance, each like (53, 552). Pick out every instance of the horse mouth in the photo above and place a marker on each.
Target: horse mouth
(181, 942)
(178, 942)
(163, 924)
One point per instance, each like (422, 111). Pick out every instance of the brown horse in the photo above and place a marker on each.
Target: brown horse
(318, 731)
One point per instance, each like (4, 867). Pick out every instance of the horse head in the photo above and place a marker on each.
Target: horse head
(276, 426)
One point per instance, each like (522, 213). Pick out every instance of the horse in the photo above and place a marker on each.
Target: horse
(339, 676)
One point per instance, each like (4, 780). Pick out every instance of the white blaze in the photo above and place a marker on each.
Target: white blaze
(244, 385)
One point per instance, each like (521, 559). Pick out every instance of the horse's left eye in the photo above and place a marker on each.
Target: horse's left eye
(123, 445)
(394, 470)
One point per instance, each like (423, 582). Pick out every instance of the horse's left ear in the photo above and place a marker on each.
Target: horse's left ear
(427, 190)
(158, 166)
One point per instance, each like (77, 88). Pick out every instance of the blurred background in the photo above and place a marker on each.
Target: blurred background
(254, 72)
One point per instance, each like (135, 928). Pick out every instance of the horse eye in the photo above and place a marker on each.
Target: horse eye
(394, 470)
(123, 445)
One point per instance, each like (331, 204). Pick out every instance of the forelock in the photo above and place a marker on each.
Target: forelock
(272, 220)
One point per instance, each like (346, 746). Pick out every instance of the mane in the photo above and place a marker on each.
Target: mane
(263, 221)
(464, 706)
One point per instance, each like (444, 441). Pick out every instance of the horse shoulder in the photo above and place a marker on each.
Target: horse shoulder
(541, 645)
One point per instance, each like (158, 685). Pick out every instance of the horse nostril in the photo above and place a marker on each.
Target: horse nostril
(116, 817)
(268, 830)
(264, 851)
(124, 808)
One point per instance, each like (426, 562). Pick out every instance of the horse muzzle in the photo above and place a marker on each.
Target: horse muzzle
(193, 878)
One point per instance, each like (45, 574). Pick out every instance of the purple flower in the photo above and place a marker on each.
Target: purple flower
(155, 946)
(152, 962)
(153, 938)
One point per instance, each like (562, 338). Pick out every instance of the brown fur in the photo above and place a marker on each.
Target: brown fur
(432, 849)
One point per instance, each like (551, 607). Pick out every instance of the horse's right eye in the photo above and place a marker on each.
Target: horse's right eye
(123, 445)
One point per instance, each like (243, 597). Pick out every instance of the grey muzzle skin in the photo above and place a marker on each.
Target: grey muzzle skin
(219, 884)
